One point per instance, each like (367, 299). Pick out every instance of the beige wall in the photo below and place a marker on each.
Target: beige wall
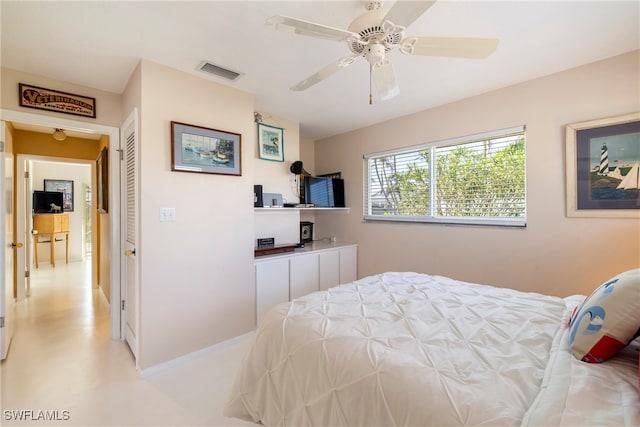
(554, 254)
(197, 281)
(308, 154)
(42, 144)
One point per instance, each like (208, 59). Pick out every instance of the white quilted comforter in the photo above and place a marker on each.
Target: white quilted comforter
(408, 349)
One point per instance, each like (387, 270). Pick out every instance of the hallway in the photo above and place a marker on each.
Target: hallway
(62, 362)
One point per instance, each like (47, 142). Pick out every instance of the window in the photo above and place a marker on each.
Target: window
(478, 179)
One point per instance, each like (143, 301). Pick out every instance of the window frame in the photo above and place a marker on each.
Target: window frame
(368, 216)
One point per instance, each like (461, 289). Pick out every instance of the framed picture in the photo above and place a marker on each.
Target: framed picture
(602, 162)
(62, 186)
(102, 180)
(204, 150)
(270, 142)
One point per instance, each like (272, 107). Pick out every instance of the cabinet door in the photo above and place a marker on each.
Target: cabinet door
(348, 264)
(62, 222)
(272, 285)
(329, 269)
(304, 275)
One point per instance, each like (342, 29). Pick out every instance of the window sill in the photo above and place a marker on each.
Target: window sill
(276, 210)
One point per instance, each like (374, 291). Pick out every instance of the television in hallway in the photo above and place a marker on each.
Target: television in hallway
(42, 201)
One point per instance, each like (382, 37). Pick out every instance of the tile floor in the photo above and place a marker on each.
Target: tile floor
(62, 360)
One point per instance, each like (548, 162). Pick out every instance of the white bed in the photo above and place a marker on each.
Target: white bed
(405, 349)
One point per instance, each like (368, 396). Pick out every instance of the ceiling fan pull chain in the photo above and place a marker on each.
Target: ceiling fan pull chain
(370, 95)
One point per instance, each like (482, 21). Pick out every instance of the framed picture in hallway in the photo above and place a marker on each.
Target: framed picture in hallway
(102, 180)
(62, 186)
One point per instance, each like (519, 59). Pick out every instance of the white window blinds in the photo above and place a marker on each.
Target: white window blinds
(478, 179)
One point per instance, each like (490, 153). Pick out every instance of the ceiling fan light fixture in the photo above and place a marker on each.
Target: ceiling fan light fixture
(59, 135)
(375, 53)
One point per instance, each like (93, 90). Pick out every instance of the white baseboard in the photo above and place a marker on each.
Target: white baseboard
(195, 355)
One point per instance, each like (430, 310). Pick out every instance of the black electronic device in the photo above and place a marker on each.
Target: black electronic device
(338, 192)
(323, 192)
(306, 231)
(257, 196)
(48, 202)
(266, 242)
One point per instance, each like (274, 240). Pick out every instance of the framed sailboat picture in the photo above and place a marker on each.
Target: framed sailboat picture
(603, 167)
(204, 150)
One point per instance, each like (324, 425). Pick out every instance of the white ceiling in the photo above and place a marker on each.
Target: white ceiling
(98, 44)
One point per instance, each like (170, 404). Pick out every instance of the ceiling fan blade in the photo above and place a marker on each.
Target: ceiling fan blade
(305, 28)
(405, 12)
(459, 47)
(385, 80)
(324, 73)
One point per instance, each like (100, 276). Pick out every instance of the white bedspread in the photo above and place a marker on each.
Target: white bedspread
(402, 349)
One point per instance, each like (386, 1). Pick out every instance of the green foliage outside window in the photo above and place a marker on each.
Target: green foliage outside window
(479, 179)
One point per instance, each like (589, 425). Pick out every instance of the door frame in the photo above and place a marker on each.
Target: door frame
(114, 192)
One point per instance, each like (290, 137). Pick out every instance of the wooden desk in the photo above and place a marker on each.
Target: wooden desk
(50, 225)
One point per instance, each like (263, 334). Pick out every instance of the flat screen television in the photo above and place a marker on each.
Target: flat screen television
(42, 201)
(324, 192)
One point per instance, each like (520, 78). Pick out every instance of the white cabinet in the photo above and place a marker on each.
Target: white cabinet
(284, 277)
(329, 269)
(348, 264)
(272, 285)
(303, 275)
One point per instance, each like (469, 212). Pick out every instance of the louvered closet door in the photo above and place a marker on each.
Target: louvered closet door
(130, 204)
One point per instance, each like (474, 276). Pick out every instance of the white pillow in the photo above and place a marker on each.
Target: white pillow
(608, 320)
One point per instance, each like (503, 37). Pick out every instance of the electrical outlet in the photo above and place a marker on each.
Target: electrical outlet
(167, 214)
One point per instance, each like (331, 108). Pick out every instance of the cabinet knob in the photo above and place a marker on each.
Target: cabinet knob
(16, 245)
(130, 252)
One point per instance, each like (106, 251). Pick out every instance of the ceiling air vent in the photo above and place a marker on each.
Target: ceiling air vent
(216, 70)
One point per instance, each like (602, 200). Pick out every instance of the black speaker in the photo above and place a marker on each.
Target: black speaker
(296, 167)
(338, 192)
(257, 196)
(306, 231)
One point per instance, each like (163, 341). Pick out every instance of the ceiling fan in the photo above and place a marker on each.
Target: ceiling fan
(374, 34)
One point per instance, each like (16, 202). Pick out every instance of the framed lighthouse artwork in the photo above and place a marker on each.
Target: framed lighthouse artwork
(603, 167)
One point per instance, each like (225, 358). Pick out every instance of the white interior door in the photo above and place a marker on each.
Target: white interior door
(130, 204)
(7, 245)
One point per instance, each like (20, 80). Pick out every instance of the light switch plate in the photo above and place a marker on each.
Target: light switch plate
(167, 214)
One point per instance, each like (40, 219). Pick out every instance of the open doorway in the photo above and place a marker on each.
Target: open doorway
(74, 180)
(109, 224)
(53, 234)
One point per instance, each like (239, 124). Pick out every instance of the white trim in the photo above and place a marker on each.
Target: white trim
(502, 222)
(147, 372)
(114, 191)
